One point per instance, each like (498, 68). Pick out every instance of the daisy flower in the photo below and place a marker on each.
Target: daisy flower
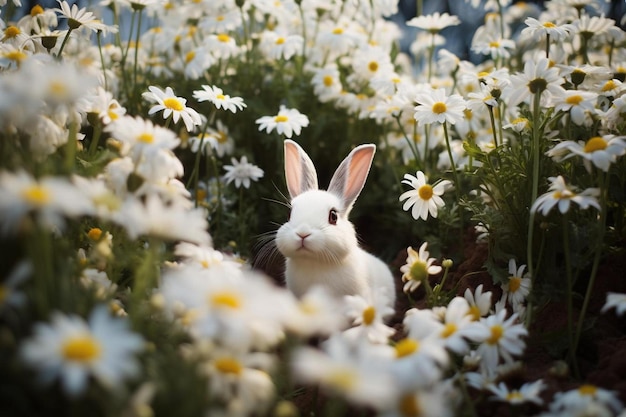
(560, 194)
(617, 301)
(287, 122)
(424, 198)
(172, 106)
(435, 22)
(528, 392)
(578, 103)
(418, 267)
(242, 172)
(505, 340)
(458, 327)
(326, 83)
(479, 301)
(583, 396)
(317, 313)
(539, 77)
(490, 43)
(79, 17)
(367, 318)
(601, 151)
(72, 350)
(539, 30)
(277, 46)
(216, 96)
(435, 106)
(518, 286)
(354, 372)
(50, 199)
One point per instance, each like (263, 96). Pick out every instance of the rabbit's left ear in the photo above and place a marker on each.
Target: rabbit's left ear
(349, 179)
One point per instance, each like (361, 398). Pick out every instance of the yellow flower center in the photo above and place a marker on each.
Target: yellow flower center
(281, 118)
(81, 349)
(220, 96)
(226, 299)
(406, 347)
(328, 81)
(474, 312)
(16, 56)
(280, 41)
(337, 31)
(219, 18)
(425, 192)
(222, 37)
(12, 32)
(190, 56)
(57, 89)
(228, 365)
(36, 195)
(574, 100)
(373, 66)
(497, 332)
(494, 44)
(439, 107)
(173, 103)
(222, 137)
(608, 86)
(563, 194)
(418, 271)
(549, 25)
(409, 406)
(4, 293)
(36, 10)
(369, 314)
(448, 330)
(94, 234)
(587, 389)
(514, 395)
(514, 284)
(596, 143)
(145, 138)
(343, 379)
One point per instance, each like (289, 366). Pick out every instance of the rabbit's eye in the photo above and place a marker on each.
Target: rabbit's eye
(332, 216)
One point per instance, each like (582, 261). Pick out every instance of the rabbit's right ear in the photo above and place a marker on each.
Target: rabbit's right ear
(299, 170)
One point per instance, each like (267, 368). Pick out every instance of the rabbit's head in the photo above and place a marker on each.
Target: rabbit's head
(318, 226)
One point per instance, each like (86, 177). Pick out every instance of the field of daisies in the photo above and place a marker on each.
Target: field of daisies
(142, 184)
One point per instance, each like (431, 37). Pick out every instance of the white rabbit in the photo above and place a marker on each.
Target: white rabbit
(318, 241)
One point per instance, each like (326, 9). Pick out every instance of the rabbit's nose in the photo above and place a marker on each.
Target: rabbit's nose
(303, 235)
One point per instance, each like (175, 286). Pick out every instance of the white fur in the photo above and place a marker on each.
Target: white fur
(318, 252)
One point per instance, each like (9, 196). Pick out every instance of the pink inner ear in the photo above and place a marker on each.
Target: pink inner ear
(293, 170)
(359, 168)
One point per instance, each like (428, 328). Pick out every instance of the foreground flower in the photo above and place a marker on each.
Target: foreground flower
(582, 397)
(435, 106)
(367, 318)
(216, 96)
(601, 151)
(560, 194)
(354, 372)
(417, 268)
(287, 122)
(50, 199)
(79, 17)
(424, 198)
(617, 301)
(529, 392)
(242, 172)
(73, 350)
(503, 342)
(172, 106)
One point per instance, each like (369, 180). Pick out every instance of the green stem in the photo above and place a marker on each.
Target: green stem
(596, 259)
(104, 72)
(493, 126)
(136, 63)
(570, 289)
(67, 37)
(70, 148)
(411, 143)
(457, 184)
(97, 131)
